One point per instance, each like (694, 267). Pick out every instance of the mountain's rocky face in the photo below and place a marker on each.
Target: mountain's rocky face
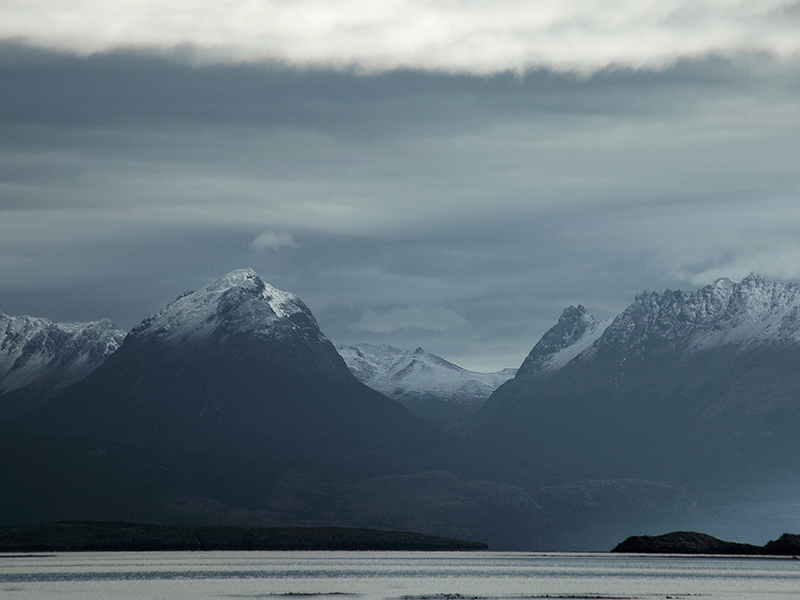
(682, 385)
(427, 385)
(38, 358)
(236, 366)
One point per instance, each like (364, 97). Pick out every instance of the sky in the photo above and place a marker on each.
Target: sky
(437, 173)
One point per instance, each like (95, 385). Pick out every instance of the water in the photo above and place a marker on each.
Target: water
(406, 575)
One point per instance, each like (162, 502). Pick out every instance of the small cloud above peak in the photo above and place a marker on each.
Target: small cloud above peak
(272, 240)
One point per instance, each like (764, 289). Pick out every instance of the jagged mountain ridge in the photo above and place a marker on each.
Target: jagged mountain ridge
(427, 385)
(682, 385)
(751, 313)
(38, 357)
(746, 314)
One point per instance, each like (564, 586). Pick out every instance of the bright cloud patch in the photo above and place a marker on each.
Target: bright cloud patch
(271, 240)
(480, 36)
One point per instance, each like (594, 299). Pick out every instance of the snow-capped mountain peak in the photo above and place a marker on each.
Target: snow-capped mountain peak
(238, 302)
(283, 304)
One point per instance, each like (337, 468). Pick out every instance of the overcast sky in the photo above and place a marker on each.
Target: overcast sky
(441, 174)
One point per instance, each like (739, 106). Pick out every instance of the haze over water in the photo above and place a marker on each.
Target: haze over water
(378, 575)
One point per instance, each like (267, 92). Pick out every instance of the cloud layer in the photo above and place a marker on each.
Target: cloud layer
(474, 36)
(454, 212)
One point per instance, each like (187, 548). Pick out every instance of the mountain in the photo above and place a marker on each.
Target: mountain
(38, 358)
(697, 387)
(427, 385)
(236, 366)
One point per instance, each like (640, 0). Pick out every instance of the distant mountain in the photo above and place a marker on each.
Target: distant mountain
(38, 358)
(427, 385)
(691, 386)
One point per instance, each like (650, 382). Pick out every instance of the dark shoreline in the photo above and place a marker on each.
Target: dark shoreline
(101, 536)
(691, 542)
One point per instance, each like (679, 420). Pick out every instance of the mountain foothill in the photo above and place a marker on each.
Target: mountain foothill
(231, 407)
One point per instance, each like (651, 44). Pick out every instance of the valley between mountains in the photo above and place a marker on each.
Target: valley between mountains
(231, 407)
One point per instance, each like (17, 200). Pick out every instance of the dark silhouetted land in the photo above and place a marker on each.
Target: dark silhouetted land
(111, 536)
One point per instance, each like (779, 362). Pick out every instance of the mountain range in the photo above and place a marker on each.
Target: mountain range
(230, 406)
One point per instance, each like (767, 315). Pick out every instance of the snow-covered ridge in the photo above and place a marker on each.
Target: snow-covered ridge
(237, 302)
(748, 313)
(408, 376)
(752, 312)
(38, 354)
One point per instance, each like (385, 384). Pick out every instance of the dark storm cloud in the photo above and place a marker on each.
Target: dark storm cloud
(128, 89)
(455, 212)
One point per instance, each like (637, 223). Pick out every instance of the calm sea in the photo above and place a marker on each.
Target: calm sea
(408, 575)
